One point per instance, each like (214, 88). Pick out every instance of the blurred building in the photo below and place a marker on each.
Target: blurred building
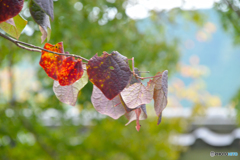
(217, 131)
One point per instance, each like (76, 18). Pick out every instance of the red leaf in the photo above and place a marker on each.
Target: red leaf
(50, 62)
(10, 8)
(64, 70)
(71, 71)
(109, 72)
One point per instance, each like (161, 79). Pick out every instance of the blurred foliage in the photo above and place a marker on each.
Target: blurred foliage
(23, 135)
(236, 104)
(229, 14)
(35, 125)
(229, 11)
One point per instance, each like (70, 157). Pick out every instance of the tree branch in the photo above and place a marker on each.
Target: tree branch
(35, 48)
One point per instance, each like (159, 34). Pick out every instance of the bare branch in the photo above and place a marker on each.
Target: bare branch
(35, 48)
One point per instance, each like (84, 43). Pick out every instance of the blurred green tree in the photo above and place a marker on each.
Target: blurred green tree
(230, 14)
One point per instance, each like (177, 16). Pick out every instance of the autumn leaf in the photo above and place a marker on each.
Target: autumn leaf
(138, 94)
(109, 72)
(138, 112)
(124, 104)
(14, 26)
(10, 8)
(46, 6)
(42, 19)
(64, 70)
(160, 93)
(131, 116)
(71, 71)
(116, 53)
(50, 62)
(68, 94)
(103, 105)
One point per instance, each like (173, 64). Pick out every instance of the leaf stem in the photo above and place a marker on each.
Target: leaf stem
(143, 71)
(33, 48)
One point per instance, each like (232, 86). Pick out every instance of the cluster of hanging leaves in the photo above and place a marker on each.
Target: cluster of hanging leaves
(116, 91)
(13, 23)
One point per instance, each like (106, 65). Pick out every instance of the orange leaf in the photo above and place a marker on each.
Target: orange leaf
(71, 71)
(50, 62)
(64, 70)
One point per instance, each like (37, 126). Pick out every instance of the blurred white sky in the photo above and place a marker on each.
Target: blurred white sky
(138, 9)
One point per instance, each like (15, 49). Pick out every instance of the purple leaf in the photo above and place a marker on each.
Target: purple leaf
(68, 94)
(46, 6)
(131, 116)
(41, 18)
(109, 72)
(138, 94)
(103, 105)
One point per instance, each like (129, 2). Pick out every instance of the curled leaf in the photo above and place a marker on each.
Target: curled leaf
(131, 116)
(41, 18)
(160, 93)
(103, 105)
(109, 72)
(68, 94)
(137, 94)
(46, 6)
(138, 112)
(10, 8)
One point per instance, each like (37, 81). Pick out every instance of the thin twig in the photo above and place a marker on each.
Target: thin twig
(142, 78)
(144, 71)
(36, 48)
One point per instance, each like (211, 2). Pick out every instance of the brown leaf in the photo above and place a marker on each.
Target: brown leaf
(160, 93)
